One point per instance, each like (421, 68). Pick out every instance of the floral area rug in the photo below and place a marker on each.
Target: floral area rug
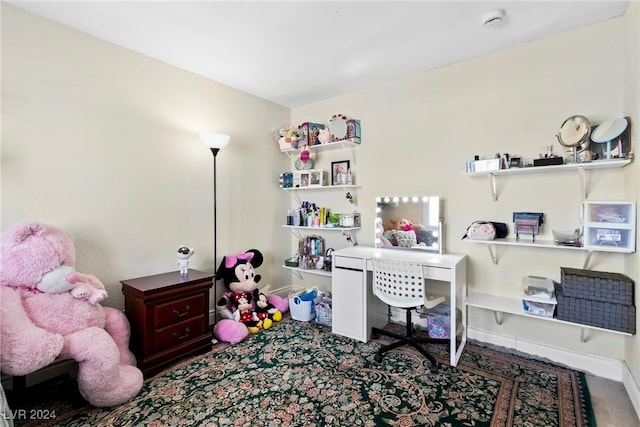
(300, 374)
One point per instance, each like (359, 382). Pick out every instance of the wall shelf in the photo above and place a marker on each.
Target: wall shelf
(337, 145)
(501, 305)
(580, 168)
(296, 193)
(322, 187)
(544, 244)
(300, 272)
(322, 228)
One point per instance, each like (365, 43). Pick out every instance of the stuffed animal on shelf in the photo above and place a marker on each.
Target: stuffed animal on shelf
(288, 138)
(304, 161)
(238, 275)
(324, 136)
(42, 320)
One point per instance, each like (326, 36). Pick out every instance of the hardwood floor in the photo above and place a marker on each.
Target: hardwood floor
(611, 403)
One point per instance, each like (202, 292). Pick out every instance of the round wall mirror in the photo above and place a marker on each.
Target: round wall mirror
(338, 126)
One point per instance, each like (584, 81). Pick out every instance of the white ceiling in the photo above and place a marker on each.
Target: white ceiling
(300, 52)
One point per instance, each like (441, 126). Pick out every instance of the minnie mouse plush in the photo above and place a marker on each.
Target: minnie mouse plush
(244, 312)
(237, 272)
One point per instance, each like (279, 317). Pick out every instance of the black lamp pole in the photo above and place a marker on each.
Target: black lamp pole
(215, 142)
(215, 151)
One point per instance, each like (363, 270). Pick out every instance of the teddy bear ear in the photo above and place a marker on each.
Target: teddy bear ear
(257, 259)
(22, 231)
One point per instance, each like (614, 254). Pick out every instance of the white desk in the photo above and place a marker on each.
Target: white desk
(356, 310)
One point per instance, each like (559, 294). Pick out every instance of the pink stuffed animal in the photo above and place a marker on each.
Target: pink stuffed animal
(405, 225)
(42, 320)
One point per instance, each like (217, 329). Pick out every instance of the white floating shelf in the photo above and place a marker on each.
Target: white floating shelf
(500, 305)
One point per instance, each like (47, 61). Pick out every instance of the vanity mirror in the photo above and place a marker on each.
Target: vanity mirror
(574, 134)
(610, 139)
(338, 126)
(405, 222)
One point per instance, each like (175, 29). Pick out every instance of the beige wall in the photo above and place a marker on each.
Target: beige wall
(104, 142)
(631, 102)
(418, 133)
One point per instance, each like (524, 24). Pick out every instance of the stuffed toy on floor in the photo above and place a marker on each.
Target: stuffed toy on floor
(50, 311)
(243, 308)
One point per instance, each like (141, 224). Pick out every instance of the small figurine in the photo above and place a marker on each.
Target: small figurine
(184, 255)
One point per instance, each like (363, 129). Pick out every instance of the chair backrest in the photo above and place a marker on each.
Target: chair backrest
(398, 283)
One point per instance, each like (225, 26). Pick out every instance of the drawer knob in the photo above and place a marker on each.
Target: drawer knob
(184, 313)
(181, 337)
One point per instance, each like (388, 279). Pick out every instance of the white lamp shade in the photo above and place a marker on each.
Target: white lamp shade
(214, 140)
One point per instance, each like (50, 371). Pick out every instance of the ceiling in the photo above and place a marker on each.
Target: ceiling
(299, 52)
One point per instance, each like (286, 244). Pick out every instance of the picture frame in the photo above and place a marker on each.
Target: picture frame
(316, 178)
(305, 178)
(340, 172)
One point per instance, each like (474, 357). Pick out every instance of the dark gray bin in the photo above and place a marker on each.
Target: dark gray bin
(606, 315)
(597, 286)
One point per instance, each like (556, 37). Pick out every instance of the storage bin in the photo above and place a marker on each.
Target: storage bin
(597, 285)
(543, 309)
(610, 226)
(590, 312)
(301, 306)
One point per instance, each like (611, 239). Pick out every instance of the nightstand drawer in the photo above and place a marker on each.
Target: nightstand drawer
(176, 334)
(169, 317)
(178, 310)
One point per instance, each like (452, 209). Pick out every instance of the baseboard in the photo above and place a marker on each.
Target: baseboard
(612, 369)
(632, 389)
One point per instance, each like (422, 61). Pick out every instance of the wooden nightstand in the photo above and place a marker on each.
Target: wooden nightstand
(169, 317)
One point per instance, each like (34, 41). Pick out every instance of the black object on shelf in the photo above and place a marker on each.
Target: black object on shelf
(548, 161)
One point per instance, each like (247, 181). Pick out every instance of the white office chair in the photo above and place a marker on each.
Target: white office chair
(401, 284)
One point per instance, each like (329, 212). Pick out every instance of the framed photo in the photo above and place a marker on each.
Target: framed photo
(316, 178)
(339, 172)
(305, 178)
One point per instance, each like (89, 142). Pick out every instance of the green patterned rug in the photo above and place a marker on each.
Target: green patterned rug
(300, 374)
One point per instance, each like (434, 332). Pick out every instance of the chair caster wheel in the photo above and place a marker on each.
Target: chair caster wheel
(434, 368)
(377, 358)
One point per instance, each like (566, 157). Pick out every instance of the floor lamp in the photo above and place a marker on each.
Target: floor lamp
(215, 142)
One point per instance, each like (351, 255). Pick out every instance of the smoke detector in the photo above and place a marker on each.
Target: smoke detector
(493, 19)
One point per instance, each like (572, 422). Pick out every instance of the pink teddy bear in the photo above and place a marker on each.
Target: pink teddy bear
(42, 322)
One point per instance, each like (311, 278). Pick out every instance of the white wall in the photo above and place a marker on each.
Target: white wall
(104, 143)
(418, 132)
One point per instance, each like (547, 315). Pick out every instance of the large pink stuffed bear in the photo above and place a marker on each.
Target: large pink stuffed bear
(50, 311)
